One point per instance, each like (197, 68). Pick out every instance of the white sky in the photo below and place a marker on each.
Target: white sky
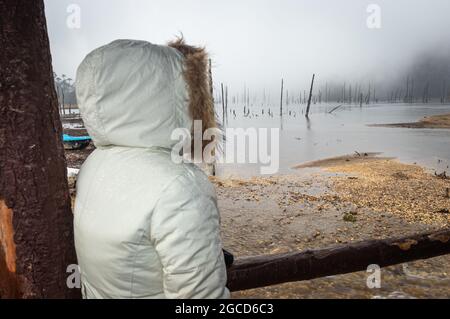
(256, 42)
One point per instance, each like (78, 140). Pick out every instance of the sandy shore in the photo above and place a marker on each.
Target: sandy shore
(437, 121)
(340, 160)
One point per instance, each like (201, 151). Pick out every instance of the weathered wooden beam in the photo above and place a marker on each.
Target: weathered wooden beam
(261, 271)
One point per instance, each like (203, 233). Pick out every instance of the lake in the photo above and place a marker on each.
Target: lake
(345, 131)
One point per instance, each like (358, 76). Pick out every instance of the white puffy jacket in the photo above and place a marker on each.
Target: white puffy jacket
(145, 227)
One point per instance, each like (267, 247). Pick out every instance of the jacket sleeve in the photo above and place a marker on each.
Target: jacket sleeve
(185, 231)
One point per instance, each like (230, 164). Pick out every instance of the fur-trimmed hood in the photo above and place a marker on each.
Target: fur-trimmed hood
(133, 93)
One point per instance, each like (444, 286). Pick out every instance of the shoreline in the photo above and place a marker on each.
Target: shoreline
(441, 121)
(357, 157)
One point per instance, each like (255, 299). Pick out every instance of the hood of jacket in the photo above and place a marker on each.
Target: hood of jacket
(134, 93)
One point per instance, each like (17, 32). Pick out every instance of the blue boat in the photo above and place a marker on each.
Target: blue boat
(76, 142)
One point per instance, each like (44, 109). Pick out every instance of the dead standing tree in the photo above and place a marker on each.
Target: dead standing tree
(212, 166)
(310, 95)
(281, 98)
(223, 105)
(36, 236)
(281, 104)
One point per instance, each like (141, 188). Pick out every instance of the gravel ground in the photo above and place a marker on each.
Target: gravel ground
(298, 212)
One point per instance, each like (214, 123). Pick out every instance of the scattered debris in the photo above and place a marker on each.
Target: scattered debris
(442, 175)
(334, 109)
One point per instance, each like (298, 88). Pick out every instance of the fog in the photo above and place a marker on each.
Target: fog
(255, 43)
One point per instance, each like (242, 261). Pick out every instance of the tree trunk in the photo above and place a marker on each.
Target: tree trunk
(36, 235)
(281, 98)
(310, 95)
(223, 105)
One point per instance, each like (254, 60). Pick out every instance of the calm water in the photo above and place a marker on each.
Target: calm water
(346, 131)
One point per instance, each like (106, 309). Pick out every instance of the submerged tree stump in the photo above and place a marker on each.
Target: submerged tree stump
(36, 236)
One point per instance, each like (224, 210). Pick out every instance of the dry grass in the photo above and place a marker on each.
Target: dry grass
(437, 121)
(441, 121)
(389, 186)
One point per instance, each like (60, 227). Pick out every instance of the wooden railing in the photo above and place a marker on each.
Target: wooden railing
(261, 271)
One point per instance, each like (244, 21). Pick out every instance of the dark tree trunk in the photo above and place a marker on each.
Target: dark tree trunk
(223, 106)
(281, 98)
(36, 236)
(310, 95)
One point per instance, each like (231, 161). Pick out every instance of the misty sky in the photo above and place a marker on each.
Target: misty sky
(256, 42)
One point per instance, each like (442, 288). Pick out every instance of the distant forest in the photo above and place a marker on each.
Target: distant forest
(426, 80)
(65, 89)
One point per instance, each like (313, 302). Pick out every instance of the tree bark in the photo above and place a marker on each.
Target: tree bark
(36, 235)
(261, 271)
